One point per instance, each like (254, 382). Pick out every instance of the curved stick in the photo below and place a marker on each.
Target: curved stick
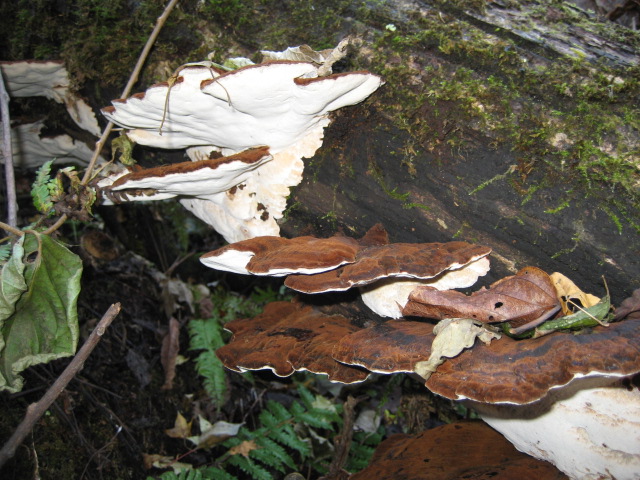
(36, 410)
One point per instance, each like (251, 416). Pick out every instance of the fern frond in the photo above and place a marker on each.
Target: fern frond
(275, 452)
(268, 419)
(5, 252)
(279, 411)
(248, 466)
(315, 418)
(285, 435)
(183, 475)
(214, 473)
(40, 191)
(206, 335)
(306, 396)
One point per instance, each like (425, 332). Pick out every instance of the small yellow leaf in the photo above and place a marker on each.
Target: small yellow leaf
(244, 448)
(453, 335)
(570, 295)
(162, 461)
(181, 428)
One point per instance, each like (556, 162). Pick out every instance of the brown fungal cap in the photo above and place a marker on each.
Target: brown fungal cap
(454, 451)
(289, 337)
(279, 256)
(523, 371)
(202, 179)
(390, 347)
(406, 260)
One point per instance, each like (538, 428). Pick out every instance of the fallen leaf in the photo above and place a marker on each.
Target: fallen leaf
(162, 461)
(181, 428)
(244, 448)
(453, 335)
(570, 295)
(213, 434)
(585, 317)
(525, 300)
(169, 352)
(630, 307)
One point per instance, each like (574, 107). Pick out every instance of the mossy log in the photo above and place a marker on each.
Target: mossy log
(514, 127)
(512, 124)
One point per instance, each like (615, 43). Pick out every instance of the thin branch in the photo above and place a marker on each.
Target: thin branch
(132, 80)
(12, 202)
(36, 410)
(10, 229)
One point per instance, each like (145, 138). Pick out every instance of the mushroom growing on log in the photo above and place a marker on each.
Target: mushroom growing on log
(281, 105)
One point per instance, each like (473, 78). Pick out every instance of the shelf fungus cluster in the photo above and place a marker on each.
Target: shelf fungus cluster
(544, 388)
(282, 106)
(49, 79)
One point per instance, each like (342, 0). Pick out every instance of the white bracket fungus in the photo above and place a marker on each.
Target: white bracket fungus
(282, 105)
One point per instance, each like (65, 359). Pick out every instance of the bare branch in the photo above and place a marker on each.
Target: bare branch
(12, 202)
(36, 410)
(132, 80)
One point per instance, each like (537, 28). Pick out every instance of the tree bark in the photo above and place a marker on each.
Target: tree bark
(481, 187)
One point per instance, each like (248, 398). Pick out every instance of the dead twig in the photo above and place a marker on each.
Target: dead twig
(12, 202)
(132, 80)
(36, 410)
(342, 442)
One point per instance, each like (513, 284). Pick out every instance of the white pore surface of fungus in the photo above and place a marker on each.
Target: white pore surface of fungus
(589, 429)
(48, 79)
(30, 149)
(387, 297)
(277, 104)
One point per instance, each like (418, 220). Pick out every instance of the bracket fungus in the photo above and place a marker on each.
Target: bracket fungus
(205, 179)
(589, 429)
(33, 78)
(451, 452)
(278, 256)
(289, 337)
(31, 149)
(381, 272)
(282, 105)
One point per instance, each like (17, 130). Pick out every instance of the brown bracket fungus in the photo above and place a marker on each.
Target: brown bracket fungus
(281, 105)
(278, 256)
(289, 337)
(205, 179)
(524, 371)
(394, 346)
(452, 452)
(589, 429)
(384, 269)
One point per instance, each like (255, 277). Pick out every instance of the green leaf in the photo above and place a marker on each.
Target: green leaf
(587, 317)
(124, 146)
(44, 188)
(12, 283)
(44, 326)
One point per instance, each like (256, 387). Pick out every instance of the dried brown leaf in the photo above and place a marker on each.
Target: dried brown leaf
(525, 300)
(244, 448)
(181, 428)
(570, 295)
(169, 353)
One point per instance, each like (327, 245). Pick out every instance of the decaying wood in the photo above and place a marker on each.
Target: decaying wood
(370, 171)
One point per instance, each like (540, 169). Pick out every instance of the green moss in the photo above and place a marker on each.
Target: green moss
(568, 122)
